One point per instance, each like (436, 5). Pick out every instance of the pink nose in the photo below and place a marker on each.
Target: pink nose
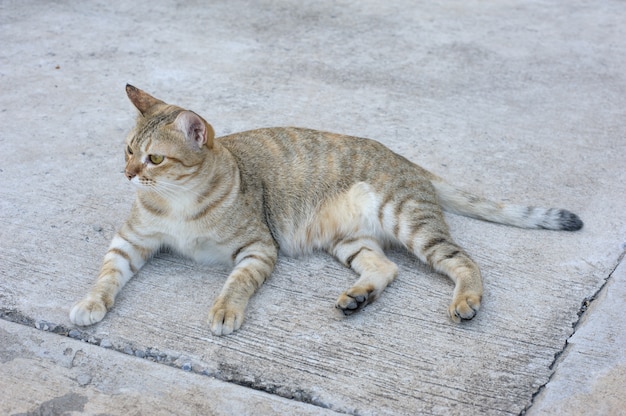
(130, 175)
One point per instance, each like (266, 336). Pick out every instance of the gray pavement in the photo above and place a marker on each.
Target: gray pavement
(523, 102)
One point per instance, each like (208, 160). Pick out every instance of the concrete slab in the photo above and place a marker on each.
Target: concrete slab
(58, 375)
(522, 102)
(590, 377)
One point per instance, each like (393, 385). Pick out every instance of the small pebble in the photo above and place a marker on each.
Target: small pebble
(140, 354)
(153, 352)
(74, 333)
(105, 343)
(45, 326)
(186, 367)
(83, 379)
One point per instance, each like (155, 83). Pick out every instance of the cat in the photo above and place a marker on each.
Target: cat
(241, 198)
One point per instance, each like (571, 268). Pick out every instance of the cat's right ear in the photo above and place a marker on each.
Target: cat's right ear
(141, 99)
(197, 131)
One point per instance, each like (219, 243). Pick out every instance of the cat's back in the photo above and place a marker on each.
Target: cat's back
(293, 165)
(287, 145)
(291, 155)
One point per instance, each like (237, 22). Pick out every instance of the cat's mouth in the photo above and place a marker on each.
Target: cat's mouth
(142, 182)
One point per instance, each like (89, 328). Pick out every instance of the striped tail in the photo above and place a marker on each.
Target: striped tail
(457, 201)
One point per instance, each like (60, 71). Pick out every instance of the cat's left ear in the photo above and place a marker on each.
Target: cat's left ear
(196, 130)
(141, 99)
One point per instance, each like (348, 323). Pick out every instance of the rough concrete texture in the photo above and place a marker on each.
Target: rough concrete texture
(45, 374)
(591, 374)
(523, 102)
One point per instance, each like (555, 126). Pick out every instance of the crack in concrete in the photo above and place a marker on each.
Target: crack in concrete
(585, 304)
(226, 373)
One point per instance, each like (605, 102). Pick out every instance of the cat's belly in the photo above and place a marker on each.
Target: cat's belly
(352, 213)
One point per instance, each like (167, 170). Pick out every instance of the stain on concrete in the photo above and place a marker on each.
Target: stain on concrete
(9, 349)
(70, 402)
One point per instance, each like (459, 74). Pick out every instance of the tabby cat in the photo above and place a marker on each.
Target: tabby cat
(240, 198)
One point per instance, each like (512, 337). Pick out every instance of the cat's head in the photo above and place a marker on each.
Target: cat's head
(168, 144)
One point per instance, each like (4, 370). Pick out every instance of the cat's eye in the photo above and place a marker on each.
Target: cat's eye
(129, 150)
(156, 159)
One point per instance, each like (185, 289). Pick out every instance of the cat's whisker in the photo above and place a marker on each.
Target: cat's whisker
(163, 192)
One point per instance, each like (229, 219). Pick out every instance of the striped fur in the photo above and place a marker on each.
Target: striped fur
(240, 198)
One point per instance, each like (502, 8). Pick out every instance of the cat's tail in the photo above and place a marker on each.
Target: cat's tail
(457, 201)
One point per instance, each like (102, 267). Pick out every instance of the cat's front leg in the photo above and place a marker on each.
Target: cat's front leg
(253, 265)
(127, 253)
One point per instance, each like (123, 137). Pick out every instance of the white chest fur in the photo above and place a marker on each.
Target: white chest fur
(190, 240)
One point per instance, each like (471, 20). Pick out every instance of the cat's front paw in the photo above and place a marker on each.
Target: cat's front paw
(88, 311)
(225, 318)
(464, 306)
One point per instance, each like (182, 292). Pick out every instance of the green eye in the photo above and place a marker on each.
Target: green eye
(156, 159)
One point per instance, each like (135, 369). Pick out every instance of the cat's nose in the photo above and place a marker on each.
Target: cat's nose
(130, 175)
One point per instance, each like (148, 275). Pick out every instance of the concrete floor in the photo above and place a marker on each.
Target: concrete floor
(523, 102)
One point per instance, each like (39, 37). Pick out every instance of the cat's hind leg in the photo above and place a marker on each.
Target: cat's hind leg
(345, 226)
(365, 256)
(420, 226)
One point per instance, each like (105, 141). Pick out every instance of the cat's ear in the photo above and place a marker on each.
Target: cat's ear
(141, 99)
(197, 131)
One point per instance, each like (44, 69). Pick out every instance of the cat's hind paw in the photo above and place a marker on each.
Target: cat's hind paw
(464, 306)
(225, 319)
(355, 298)
(87, 312)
